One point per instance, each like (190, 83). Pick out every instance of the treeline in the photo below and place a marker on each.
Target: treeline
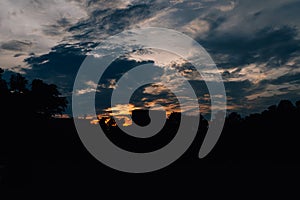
(26, 110)
(29, 133)
(21, 100)
(271, 136)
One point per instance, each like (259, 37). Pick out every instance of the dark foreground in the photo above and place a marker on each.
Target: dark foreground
(46, 154)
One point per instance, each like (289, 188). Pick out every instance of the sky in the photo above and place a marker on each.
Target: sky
(255, 44)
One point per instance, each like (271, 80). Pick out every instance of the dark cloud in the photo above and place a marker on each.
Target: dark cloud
(59, 66)
(273, 45)
(16, 45)
(57, 28)
(114, 72)
(108, 21)
(18, 55)
(239, 34)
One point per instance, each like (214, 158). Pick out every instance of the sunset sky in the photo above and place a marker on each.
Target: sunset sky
(255, 44)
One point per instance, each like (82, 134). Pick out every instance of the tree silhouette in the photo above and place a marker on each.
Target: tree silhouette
(30, 133)
(18, 83)
(42, 100)
(24, 113)
(285, 106)
(234, 118)
(298, 104)
(46, 99)
(3, 84)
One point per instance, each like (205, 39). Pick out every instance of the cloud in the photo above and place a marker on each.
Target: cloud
(271, 90)
(227, 7)
(15, 45)
(121, 109)
(159, 57)
(254, 43)
(256, 73)
(33, 26)
(250, 16)
(155, 90)
(113, 17)
(91, 87)
(197, 27)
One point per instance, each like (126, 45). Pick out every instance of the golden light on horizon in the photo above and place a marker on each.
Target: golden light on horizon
(94, 121)
(106, 121)
(127, 121)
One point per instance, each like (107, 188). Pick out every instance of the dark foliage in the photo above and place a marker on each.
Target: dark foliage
(38, 100)
(32, 141)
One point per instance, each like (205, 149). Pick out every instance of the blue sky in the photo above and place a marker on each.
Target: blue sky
(255, 44)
